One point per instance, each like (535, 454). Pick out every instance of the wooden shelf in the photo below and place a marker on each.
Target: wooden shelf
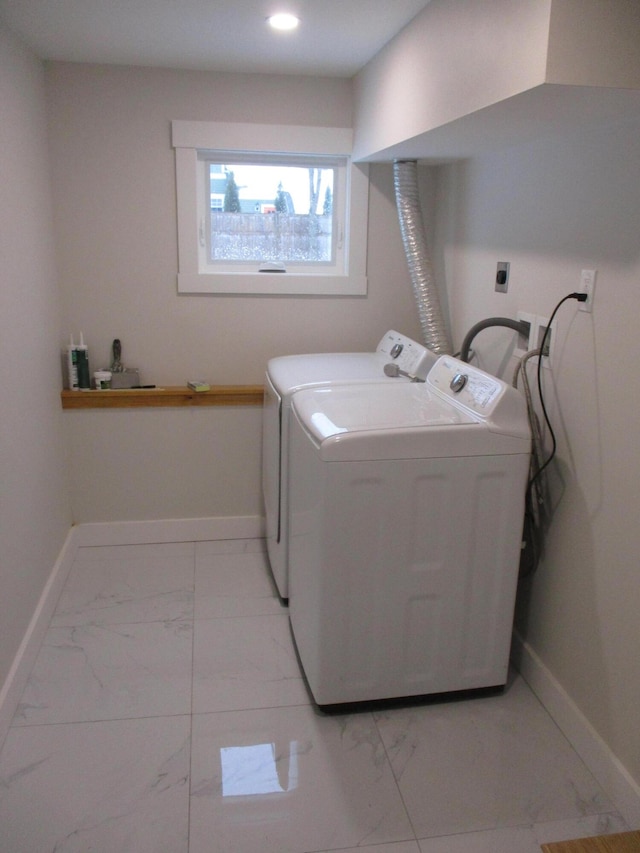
(167, 396)
(621, 842)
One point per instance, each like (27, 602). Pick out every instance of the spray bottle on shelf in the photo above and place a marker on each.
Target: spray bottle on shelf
(78, 364)
(84, 377)
(72, 365)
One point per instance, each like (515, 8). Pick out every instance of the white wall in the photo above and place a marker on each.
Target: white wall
(462, 76)
(146, 464)
(553, 208)
(593, 43)
(34, 500)
(454, 59)
(114, 194)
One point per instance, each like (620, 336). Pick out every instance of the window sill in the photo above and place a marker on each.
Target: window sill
(265, 284)
(172, 396)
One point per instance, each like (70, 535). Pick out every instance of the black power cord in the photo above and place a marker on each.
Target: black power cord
(581, 297)
(533, 524)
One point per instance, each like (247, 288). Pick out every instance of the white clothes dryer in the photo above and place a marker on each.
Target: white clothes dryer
(288, 374)
(406, 513)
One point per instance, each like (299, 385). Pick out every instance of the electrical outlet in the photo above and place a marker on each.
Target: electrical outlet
(588, 286)
(502, 276)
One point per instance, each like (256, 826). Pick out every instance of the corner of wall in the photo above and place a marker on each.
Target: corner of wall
(16, 679)
(609, 771)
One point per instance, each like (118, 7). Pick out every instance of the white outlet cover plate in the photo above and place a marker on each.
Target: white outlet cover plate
(531, 320)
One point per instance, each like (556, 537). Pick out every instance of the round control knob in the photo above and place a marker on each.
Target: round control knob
(458, 382)
(396, 349)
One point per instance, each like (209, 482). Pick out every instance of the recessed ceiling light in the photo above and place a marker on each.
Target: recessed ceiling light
(283, 21)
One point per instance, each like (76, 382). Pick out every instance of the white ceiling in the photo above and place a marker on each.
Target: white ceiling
(335, 38)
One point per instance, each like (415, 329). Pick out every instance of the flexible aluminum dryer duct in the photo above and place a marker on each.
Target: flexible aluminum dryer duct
(434, 330)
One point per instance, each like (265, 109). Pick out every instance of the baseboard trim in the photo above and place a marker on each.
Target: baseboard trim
(25, 658)
(170, 530)
(609, 771)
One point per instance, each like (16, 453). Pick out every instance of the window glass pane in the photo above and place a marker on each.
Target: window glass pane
(275, 212)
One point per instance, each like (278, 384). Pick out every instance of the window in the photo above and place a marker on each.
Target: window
(267, 211)
(248, 208)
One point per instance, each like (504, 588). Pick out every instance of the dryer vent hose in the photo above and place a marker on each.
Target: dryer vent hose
(434, 330)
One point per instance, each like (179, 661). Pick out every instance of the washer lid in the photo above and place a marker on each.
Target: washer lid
(413, 421)
(335, 410)
(289, 373)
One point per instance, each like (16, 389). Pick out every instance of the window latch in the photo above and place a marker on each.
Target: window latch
(272, 266)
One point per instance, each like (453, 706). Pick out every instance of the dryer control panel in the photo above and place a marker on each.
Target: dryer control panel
(466, 385)
(410, 356)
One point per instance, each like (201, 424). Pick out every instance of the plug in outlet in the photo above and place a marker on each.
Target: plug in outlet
(588, 286)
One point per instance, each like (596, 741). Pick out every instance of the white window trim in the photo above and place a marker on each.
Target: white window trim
(188, 137)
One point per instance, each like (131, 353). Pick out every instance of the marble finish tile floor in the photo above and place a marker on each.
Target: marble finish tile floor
(167, 713)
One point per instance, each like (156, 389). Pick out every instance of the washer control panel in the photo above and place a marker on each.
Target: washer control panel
(468, 386)
(410, 356)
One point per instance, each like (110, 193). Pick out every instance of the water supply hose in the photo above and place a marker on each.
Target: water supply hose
(434, 330)
(516, 325)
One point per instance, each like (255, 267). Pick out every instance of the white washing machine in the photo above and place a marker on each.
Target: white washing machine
(288, 374)
(406, 513)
